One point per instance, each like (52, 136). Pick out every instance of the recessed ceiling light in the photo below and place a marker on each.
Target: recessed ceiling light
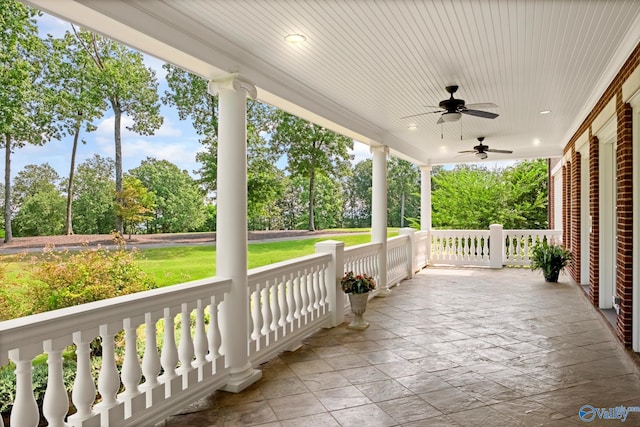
(545, 111)
(536, 141)
(413, 127)
(295, 38)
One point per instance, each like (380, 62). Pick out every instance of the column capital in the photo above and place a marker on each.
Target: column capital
(379, 148)
(235, 82)
(426, 168)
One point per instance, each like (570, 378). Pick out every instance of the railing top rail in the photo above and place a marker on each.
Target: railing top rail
(449, 232)
(269, 270)
(363, 246)
(397, 240)
(63, 322)
(541, 231)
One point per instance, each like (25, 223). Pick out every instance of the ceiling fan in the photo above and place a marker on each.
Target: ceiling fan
(452, 109)
(481, 150)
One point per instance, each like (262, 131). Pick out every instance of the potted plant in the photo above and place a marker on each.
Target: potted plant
(551, 259)
(357, 287)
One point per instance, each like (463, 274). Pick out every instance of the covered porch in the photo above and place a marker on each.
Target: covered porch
(450, 347)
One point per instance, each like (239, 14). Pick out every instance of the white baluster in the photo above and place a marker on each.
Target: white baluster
(151, 358)
(169, 358)
(131, 370)
(213, 334)
(282, 302)
(303, 281)
(109, 378)
(265, 310)
(297, 297)
(288, 284)
(185, 348)
(25, 410)
(56, 402)
(84, 389)
(275, 305)
(317, 297)
(200, 339)
(255, 317)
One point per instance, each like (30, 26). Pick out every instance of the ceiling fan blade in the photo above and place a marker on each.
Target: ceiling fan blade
(491, 150)
(482, 105)
(440, 120)
(467, 151)
(478, 113)
(421, 114)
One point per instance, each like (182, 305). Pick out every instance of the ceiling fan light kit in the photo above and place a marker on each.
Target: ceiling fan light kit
(481, 155)
(451, 116)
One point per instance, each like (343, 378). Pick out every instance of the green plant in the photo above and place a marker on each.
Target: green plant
(357, 284)
(550, 258)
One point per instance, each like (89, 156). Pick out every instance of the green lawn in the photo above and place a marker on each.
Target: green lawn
(181, 264)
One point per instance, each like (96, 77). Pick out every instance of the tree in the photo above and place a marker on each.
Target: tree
(93, 203)
(78, 103)
(311, 150)
(189, 94)
(135, 204)
(130, 87)
(527, 196)
(179, 200)
(23, 63)
(39, 202)
(467, 197)
(358, 195)
(403, 193)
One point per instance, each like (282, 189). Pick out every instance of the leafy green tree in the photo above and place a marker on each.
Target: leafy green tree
(135, 204)
(291, 206)
(93, 204)
(24, 118)
(79, 100)
(403, 191)
(311, 150)
(178, 197)
(39, 201)
(189, 94)
(467, 197)
(527, 199)
(357, 199)
(130, 87)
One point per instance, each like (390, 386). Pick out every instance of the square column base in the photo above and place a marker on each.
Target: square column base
(236, 385)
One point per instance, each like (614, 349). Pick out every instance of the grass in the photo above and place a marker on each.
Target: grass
(173, 265)
(170, 266)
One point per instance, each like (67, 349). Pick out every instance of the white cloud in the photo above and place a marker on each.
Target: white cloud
(360, 152)
(105, 127)
(48, 24)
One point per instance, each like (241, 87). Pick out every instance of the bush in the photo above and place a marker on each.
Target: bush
(61, 279)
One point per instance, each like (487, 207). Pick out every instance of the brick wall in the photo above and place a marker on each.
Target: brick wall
(552, 201)
(566, 200)
(574, 268)
(624, 203)
(624, 174)
(594, 209)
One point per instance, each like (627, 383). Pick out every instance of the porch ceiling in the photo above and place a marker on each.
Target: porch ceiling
(366, 64)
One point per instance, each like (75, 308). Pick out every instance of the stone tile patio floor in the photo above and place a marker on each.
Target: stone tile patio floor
(451, 347)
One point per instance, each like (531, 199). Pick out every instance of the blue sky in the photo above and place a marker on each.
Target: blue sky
(175, 141)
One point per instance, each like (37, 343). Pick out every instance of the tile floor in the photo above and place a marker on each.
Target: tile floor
(450, 347)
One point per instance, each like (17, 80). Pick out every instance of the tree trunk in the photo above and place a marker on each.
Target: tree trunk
(402, 210)
(115, 104)
(72, 169)
(8, 236)
(312, 182)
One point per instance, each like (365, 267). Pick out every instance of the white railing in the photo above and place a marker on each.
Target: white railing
(519, 244)
(398, 259)
(422, 245)
(363, 259)
(286, 301)
(475, 247)
(460, 247)
(191, 369)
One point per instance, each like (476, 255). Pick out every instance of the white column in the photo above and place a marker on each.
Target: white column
(231, 231)
(496, 245)
(379, 213)
(335, 295)
(425, 198)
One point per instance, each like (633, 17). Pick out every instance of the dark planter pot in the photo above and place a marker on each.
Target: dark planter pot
(552, 277)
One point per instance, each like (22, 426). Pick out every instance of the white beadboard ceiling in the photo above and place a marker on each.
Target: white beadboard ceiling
(368, 63)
